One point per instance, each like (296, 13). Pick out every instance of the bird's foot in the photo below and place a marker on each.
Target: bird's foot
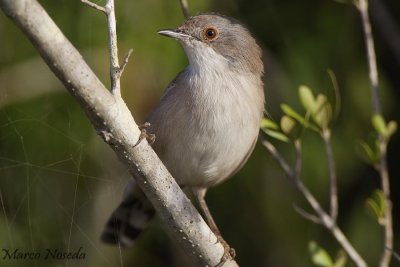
(229, 253)
(143, 134)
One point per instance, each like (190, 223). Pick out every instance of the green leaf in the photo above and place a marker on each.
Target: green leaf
(385, 130)
(287, 124)
(319, 256)
(338, 102)
(268, 124)
(366, 152)
(379, 124)
(376, 205)
(341, 259)
(391, 128)
(323, 111)
(276, 135)
(307, 98)
(288, 110)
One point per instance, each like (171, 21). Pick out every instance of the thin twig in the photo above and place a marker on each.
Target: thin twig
(113, 47)
(279, 158)
(387, 220)
(297, 168)
(115, 69)
(95, 6)
(307, 215)
(326, 136)
(125, 62)
(362, 6)
(185, 8)
(323, 217)
(395, 254)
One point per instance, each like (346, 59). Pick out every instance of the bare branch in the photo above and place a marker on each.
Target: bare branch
(95, 6)
(395, 254)
(297, 166)
(307, 215)
(326, 136)
(125, 62)
(113, 47)
(387, 220)
(279, 158)
(321, 215)
(115, 69)
(113, 121)
(362, 6)
(185, 8)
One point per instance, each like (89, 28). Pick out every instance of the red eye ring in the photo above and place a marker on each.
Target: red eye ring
(210, 33)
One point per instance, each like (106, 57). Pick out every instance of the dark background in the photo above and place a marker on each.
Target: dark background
(59, 182)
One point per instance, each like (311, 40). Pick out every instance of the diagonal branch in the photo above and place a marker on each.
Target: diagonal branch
(114, 123)
(95, 6)
(321, 216)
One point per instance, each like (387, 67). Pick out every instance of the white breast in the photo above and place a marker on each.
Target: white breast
(207, 121)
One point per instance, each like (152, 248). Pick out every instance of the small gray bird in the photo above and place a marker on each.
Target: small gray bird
(207, 122)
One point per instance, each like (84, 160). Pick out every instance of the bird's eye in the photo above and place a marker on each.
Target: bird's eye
(210, 33)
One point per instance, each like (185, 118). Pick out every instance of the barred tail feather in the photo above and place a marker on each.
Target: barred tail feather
(130, 219)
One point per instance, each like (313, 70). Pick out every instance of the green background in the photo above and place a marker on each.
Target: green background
(59, 182)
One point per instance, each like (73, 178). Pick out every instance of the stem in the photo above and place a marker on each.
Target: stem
(362, 6)
(115, 69)
(388, 220)
(326, 136)
(113, 47)
(185, 8)
(324, 217)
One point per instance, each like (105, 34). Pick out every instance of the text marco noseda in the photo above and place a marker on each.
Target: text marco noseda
(47, 254)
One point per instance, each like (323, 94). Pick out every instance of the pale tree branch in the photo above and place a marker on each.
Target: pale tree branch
(115, 69)
(321, 216)
(114, 123)
(362, 6)
(95, 6)
(185, 8)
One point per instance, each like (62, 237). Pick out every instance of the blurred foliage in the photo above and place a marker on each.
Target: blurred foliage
(59, 182)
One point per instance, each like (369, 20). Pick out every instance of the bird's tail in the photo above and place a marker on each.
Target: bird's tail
(130, 218)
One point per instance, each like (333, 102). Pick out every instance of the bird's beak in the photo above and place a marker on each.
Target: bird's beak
(176, 34)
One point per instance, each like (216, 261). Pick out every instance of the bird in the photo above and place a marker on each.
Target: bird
(207, 121)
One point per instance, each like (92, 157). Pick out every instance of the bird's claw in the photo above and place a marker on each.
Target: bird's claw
(143, 134)
(229, 253)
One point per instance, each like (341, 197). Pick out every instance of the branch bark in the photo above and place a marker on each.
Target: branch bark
(114, 123)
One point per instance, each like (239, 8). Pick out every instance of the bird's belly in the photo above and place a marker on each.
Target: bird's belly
(206, 156)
